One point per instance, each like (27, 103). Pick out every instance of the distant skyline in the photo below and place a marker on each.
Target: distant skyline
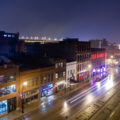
(83, 19)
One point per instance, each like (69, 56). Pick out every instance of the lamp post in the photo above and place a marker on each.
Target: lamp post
(22, 97)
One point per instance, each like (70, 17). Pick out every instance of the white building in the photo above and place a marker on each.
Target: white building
(70, 72)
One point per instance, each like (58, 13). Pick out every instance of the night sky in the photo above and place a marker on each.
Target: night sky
(85, 19)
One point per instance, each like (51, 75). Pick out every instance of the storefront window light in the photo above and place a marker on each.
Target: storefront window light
(64, 73)
(56, 75)
(56, 65)
(11, 77)
(5, 35)
(61, 64)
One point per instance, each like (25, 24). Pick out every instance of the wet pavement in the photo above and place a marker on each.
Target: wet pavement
(79, 104)
(85, 102)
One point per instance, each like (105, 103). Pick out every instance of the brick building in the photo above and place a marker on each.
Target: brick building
(9, 88)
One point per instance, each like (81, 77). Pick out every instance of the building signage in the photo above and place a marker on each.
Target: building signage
(99, 55)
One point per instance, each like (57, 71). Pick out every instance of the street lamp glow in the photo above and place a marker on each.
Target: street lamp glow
(98, 70)
(94, 70)
(89, 65)
(25, 83)
(11, 77)
(111, 56)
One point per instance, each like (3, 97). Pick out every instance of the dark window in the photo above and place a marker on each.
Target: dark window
(78, 68)
(51, 77)
(41, 80)
(32, 82)
(7, 90)
(37, 80)
(48, 77)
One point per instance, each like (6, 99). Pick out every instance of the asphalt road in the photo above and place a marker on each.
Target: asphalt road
(69, 106)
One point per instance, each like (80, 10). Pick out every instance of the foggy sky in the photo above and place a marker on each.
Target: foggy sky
(85, 19)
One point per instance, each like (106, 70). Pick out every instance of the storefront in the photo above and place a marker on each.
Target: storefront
(7, 90)
(11, 104)
(83, 76)
(31, 99)
(31, 96)
(60, 85)
(98, 71)
(3, 107)
(47, 90)
(7, 106)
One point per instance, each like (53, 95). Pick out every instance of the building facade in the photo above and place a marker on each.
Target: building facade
(83, 58)
(9, 88)
(98, 57)
(37, 83)
(71, 68)
(8, 43)
(71, 50)
(98, 43)
(60, 74)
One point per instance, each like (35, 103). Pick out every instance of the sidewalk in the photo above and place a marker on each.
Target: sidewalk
(16, 114)
(33, 106)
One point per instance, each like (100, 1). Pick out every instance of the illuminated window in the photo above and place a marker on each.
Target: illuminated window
(45, 78)
(56, 65)
(56, 75)
(3, 107)
(64, 73)
(61, 64)
(13, 35)
(9, 35)
(5, 35)
(7, 90)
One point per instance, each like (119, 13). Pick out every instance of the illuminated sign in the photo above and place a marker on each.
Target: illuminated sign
(34, 41)
(98, 55)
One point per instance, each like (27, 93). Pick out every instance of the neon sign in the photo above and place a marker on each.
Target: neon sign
(99, 55)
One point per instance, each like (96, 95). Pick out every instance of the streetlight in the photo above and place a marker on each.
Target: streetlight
(24, 84)
(98, 70)
(111, 56)
(89, 65)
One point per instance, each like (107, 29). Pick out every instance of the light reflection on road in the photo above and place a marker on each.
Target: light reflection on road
(65, 109)
(47, 102)
(109, 83)
(94, 91)
(82, 99)
(85, 97)
(98, 84)
(89, 98)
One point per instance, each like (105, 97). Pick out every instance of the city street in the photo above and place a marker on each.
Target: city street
(60, 60)
(70, 106)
